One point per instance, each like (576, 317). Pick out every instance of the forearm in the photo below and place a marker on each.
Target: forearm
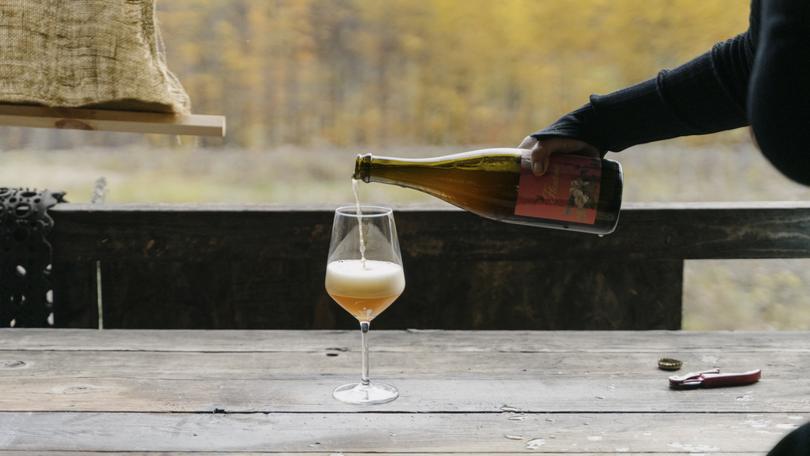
(703, 96)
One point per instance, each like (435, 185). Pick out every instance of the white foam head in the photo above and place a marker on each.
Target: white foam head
(377, 279)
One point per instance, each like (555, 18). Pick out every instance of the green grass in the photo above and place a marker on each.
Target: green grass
(747, 294)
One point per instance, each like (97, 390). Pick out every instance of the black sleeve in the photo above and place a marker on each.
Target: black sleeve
(779, 95)
(705, 95)
(797, 442)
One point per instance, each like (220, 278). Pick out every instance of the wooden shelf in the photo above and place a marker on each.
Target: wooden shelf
(107, 120)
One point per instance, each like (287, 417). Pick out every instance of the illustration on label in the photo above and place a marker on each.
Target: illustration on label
(568, 192)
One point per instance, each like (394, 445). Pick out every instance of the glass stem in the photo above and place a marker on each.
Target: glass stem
(364, 325)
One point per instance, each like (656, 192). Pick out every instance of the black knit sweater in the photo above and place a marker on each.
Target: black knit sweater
(759, 78)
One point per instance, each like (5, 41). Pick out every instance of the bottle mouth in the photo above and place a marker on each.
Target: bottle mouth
(362, 164)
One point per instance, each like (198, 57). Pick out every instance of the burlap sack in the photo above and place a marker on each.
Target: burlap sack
(92, 53)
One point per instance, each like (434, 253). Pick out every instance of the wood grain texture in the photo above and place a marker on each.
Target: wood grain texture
(285, 294)
(436, 371)
(345, 453)
(74, 293)
(462, 392)
(380, 432)
(455, 394)
(409, 341)
(110, 120)
(289, 294)
(228, 232)
(243, 267)
(417, 365)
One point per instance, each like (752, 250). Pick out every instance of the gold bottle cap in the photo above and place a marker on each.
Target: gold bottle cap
(669, 364)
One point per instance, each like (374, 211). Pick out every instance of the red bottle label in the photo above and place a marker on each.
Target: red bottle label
(568, 192)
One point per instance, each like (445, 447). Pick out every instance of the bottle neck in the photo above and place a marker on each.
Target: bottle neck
(501, 160)
(373, 168)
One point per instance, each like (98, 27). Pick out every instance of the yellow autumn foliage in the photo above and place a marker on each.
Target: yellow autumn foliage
(377, 72)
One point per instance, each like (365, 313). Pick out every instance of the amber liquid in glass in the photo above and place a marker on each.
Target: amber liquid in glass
(364, 290)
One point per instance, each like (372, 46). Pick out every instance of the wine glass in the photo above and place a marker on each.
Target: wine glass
(364, 275)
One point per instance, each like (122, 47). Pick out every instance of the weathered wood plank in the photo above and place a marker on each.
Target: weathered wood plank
(375, 432)
(74, 291)
(110, 120)
(660, 232)
(572, 373)
(343, 453)
(413, 365)
(160, 272)
(538, 295)
(312, 394)
(657, 342)
(285, 370)
(289, 294)
(243, 267)
(216, 295)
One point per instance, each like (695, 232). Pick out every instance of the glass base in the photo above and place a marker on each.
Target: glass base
(373, 393)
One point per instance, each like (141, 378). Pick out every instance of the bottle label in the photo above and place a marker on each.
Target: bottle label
(568, 192)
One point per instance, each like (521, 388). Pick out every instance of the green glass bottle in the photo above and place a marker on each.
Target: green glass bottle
(576, 193)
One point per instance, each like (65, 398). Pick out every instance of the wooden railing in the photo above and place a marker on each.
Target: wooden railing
(263, 267)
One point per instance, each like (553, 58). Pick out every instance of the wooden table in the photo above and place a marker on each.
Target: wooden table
(461, 392)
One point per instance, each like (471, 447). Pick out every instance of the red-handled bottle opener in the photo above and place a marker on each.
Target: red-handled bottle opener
(713, 379)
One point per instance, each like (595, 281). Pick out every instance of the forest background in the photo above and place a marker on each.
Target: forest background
(307, 84)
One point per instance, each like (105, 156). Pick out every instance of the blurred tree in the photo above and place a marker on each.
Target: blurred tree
(370, 72)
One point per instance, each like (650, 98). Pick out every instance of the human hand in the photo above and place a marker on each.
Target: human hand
(543, 149)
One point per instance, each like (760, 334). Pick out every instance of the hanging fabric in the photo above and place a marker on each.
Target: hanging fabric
(86, 53)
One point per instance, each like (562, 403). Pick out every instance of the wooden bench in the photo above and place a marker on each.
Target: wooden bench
(216, 267)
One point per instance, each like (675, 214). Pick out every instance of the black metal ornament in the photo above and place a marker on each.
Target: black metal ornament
(26, 298)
